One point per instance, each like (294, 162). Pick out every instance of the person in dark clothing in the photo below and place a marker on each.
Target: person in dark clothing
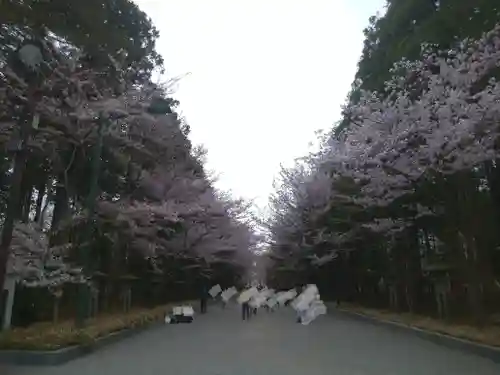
(245, 310)
(203, 300)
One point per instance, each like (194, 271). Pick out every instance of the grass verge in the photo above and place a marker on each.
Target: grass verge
(488, 334)
(49, 336)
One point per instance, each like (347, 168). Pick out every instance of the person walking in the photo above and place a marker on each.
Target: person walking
(203, 299)
(245, 310)
(252, 306)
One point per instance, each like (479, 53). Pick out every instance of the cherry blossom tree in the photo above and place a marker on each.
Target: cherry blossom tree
(35, 263)
(411, 159)
(155, 201)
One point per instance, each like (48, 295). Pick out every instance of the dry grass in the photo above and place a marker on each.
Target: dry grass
(49, 336)
(488, 335)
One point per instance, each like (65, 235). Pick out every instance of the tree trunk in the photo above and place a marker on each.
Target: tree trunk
(20, 161)
(25, 196)
(12, 212)
(413, 269)
(61, 205)
(24, 213)
(39, 201)
(9, 303)
(474, 296)
(61, 211)
(55, 311)
(474, 290)
(114, 279)
(43, 214)
(465, 220)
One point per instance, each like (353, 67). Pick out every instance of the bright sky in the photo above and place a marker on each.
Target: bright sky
(264, 75)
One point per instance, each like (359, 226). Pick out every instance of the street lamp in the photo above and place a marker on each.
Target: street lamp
(31, 56)
(25, 62)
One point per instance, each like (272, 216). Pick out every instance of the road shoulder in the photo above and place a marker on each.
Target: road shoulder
(449, 341)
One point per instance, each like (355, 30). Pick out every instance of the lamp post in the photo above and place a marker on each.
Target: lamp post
(26, 61)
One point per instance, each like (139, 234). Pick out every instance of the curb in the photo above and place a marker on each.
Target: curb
(471, 347)
(63, 355)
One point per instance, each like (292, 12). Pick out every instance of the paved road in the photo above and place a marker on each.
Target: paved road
(219, 343)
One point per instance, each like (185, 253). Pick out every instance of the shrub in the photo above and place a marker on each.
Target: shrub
(49, 336)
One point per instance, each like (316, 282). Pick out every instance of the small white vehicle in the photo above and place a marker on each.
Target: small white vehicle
(180, 314)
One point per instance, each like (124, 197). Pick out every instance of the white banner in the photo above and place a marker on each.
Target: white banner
(302, 302)
(246, 295)
(273, 300)
(316, 309)
(216, 289)
(228, 294)
(287, 296)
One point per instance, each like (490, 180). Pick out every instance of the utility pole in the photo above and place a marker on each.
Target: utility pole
(28, 58)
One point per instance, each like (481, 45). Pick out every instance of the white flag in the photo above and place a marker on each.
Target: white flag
(228, 293)
(246, 295)
(216, 289)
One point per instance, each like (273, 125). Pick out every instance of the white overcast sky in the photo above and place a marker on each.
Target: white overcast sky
(264, 75)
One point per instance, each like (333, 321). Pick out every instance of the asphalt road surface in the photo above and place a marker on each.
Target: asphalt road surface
(220, 343)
